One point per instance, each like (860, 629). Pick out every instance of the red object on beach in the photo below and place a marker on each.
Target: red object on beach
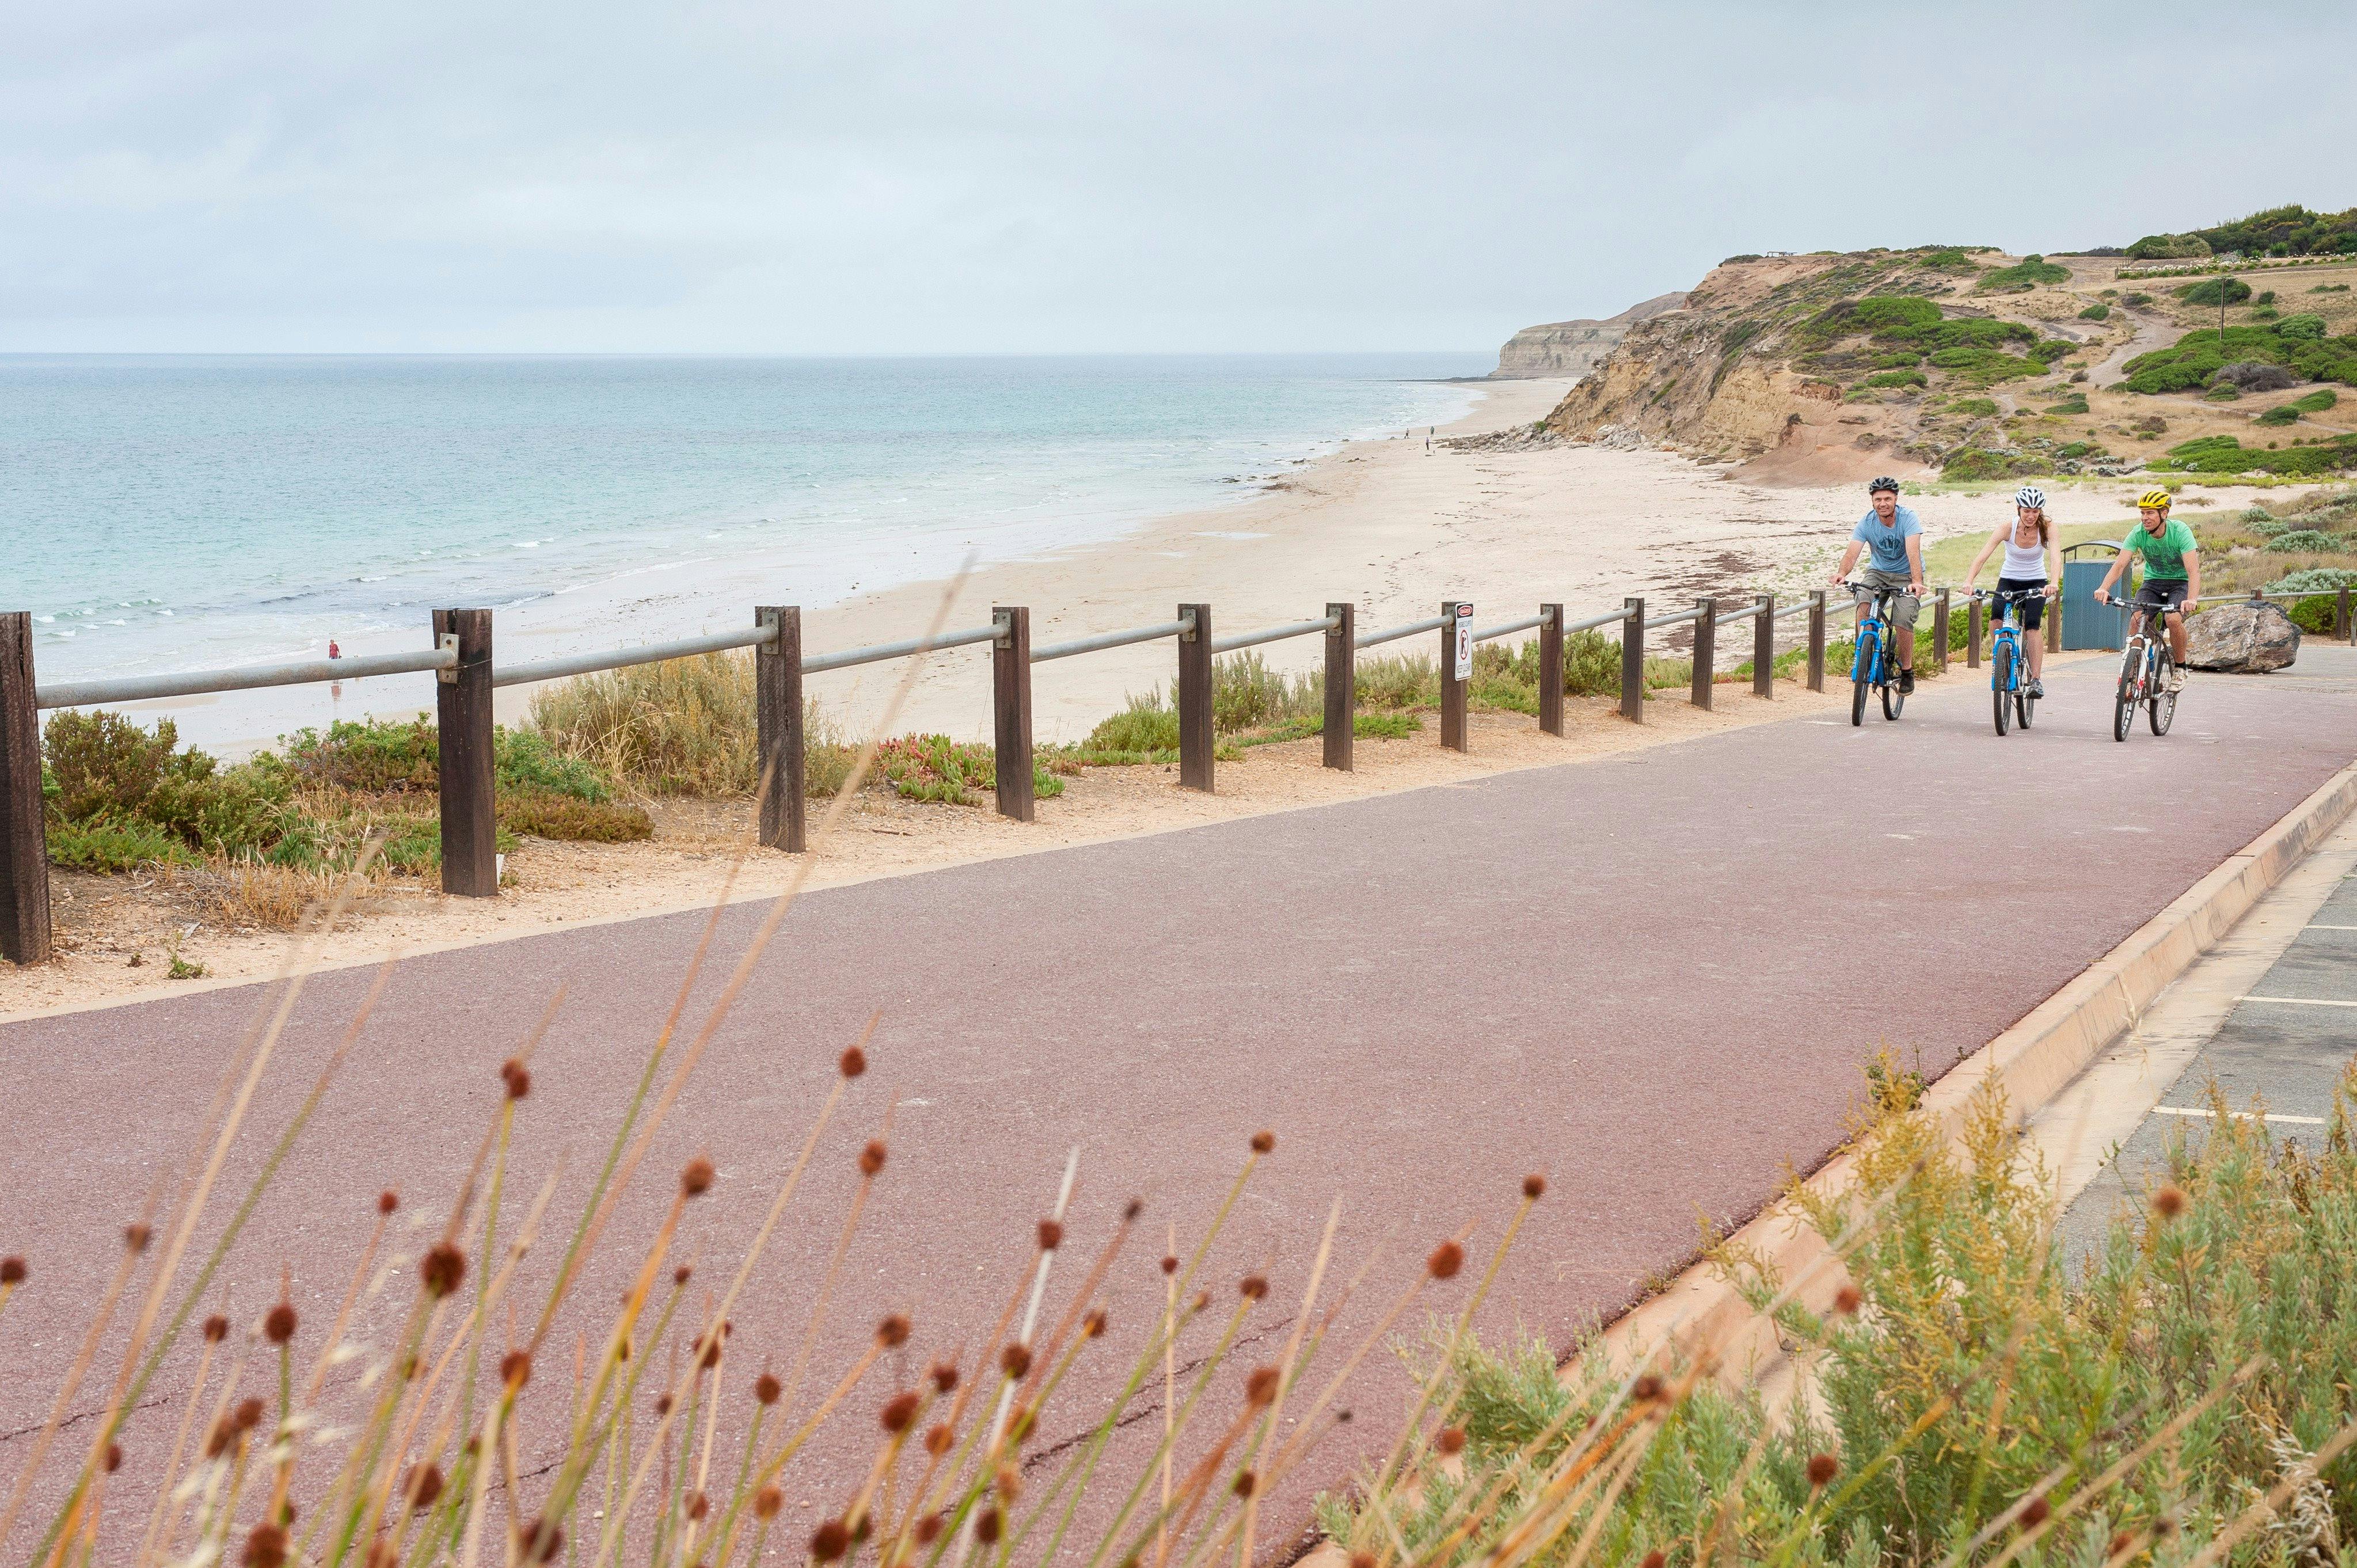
(333, 652)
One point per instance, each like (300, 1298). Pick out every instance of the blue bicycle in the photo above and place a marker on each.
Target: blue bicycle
(1870, 665)
(2009, 667)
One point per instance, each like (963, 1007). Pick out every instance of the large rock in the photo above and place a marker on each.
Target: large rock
(2242, 639)
(1572, 347)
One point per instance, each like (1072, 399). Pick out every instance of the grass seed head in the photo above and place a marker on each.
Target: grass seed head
(2121, 1540)
(1131, 1209)
(1655, 1558)
(1822, 1468)
(1847, 1300)
(540, 1541)
(1260, 1389)
(1203, 1299)
(136, 1237)
(766, 1389)
(2169, 1202)
(698, 1506)
(1362, 1560)
(278, 1322)
(871, 1158)
(1535, 1185)
(767, 1502)
(944, 1375)
(929, 1530)
(1015, 1360)
(387, 1201)
(1052, 1235)
(112, 1460)
(1008, 1482)
(12, 1270)
(938, 1438)
(1169, 1265)
(682, 1275)
(247, 1415)
(707, 1348)
(1446, 1259)
(893, 1331)
(516, 1369)
(441, 1269)
(1092, 1326)
(265, 1548)
(424, 1486)
(1449, 1439)
(1253, 1287)
(828, 1542)
(517, 1078)
(216, 1329)
(663, 1405)
(218, 1436)
(2034, 1512)
(1645, 1389)
(696, 1178)
(986, 1528)
(1244, 1483)
(852, 1062)
(899, 1413)
(1263, 1142)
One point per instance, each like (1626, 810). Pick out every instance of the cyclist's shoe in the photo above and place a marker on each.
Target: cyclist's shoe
(2038, 687)
(1907, 682)
(2176, 681)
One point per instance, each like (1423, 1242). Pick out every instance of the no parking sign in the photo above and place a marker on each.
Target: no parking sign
(1464, 642)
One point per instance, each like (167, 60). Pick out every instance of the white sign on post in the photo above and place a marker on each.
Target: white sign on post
(1464, 642)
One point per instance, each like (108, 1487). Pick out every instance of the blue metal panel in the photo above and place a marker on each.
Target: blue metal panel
(2085, 623)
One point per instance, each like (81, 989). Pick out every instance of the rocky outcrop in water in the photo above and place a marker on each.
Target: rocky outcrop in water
(1572, 347)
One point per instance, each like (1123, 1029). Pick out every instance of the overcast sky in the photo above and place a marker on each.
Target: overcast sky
(227, 175)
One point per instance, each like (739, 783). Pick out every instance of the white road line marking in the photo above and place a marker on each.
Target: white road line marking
(2299, 1001)
(2311, 926)
(2237, 1115)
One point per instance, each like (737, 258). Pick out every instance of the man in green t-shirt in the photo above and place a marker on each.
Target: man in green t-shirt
(2172, 572)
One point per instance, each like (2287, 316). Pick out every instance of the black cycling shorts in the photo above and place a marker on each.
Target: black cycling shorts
(2030, 610)
(2169, 594)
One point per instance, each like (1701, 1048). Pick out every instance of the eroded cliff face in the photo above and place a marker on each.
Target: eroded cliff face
(1572, 347)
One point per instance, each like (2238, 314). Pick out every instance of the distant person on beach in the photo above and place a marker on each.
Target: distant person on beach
(1895, 536)
(2172, 571)
(2030, 556)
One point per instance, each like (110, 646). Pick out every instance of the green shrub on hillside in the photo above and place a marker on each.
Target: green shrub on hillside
(2167, 248)
(2134, 299)
(2050, 349)
(2330, 288)
(2315, 580)
(1986, 367)
(1968, 464)
(2317, 401)
(2224, 391)
(2096, 313)
(2292, 230)
(1974, 407)
(2306, 541)
(2267, 297)
(2216, 291)
(2305, 327)
(2227, 455)
(1895, 379)
(1950, 260)
(1899, 361)
(2030, 272)
(2274, 417)
(2075, 403)
(2192, 359)
(2076, 449)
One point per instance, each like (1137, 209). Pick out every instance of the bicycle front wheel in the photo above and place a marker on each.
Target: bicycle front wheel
(2160, 711)
(2001, 683)
(1861, 677)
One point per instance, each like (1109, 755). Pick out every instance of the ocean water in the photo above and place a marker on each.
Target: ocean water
(188, 512)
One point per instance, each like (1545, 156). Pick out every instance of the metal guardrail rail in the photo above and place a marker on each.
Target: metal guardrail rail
(245, 678)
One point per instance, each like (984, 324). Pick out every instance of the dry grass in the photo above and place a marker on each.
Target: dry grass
(685, 726)
(274, 897)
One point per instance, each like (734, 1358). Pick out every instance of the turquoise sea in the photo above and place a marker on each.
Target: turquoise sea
(181, 512)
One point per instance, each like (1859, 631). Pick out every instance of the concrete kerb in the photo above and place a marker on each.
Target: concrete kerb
(2032, 1061)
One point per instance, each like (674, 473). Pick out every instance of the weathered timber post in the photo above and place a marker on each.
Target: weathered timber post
(1633, 661)
(1706, 650)
(2054, 626)
(1939, 630)
(1973, 635)
(470, 820)
(1550, 669)
(1341, 685)
(1456, 618)
(1010, 708)
(2343, 627)
(778, 722)
(1817, 641)
(24, 839)
(1763, 649)
(1195, 736)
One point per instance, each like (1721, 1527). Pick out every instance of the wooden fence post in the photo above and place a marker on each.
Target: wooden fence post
(1633, 661)
(1550, 669)
(2343, 627)
(1817, 641)
(1196, 741)
(1341, 685)
(1973, 634)
(1706, 650)
(1454, 613)
(1939, 630)
(470, 818)
(1763, 649)
(2054, 626)
(778, 722)
(1010, 707)
(24, 839)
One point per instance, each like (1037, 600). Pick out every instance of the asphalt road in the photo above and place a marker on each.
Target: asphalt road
(1653, 977)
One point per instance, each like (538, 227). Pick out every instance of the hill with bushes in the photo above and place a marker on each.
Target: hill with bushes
(2277, 232)
(1982, 366)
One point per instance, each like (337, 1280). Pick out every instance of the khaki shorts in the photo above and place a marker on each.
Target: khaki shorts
(1904, 607)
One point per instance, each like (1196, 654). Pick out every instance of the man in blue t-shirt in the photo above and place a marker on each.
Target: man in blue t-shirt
(1895, 538)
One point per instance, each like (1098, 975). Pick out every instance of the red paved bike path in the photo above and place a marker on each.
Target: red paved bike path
(1653, 976)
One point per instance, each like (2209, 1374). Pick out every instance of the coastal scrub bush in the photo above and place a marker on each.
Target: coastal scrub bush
(2304, 326)
(2167, 248)
(2136, 299)
(2227, 455)
(2075, 403)
(1146, 730)
(1895, 379)
(2316, 402)
(2096, 311)
(952, 772)
(106, 771)
(2028, 273)
(1974, 407)
(2216, 291)
(2303, 541)
(2316, 579)
(2285, 415)
(545, 813)
(114, 846)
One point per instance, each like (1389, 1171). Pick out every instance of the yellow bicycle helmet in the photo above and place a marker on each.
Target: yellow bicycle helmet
(2155, 500)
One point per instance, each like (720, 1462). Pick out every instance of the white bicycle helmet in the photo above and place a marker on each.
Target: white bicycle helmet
(2029, 495)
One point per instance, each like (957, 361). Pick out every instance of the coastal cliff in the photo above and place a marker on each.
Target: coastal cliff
(1572, 347)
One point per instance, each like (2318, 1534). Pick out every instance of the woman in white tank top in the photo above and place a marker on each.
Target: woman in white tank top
(2030, 557)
